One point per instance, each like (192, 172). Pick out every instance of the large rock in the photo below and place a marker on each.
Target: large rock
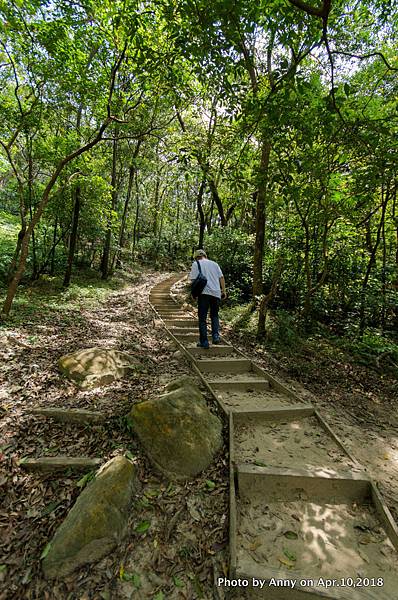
(93, 367)
(179, 433)
(183, 381)
(96, 522)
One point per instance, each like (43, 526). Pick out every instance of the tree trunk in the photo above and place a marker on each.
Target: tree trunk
(132, 171)
(395, 283)
(156, 208)
(137, 214)
(260, 220)
(51, 254)
(178, 218)
(73, 236)
(265, 300)
(217, 201)
(124, 217)
(209, 220)
(108, 239)
(52, 265)
(202, 221)
(311, 289)
(372, 261)
(384, 279)
(30, 202)
(308, 276)
(13, 264)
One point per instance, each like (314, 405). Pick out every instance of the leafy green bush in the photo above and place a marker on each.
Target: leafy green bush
(282, 330)
(9, 226)
(374, 349)
(233, 250)
(163, 253)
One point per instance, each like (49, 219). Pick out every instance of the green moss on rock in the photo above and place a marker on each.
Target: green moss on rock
(96, 522)
(178, 431)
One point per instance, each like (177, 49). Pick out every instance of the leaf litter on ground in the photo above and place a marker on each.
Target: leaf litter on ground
(35, 505)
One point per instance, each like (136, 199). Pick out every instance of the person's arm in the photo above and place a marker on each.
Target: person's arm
(222, 286)
(194, 271)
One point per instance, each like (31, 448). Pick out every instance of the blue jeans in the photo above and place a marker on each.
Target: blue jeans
(204, 303)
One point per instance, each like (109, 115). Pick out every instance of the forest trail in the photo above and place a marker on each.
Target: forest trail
(175, 555)
(301, 506)
(190, 550)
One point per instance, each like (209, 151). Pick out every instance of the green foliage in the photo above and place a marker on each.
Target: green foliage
(8, 239)
(373, 349)
(239, 75)
(282, 331)
(233, 251)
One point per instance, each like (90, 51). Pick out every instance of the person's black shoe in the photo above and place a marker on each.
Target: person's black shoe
(216, 340)
(205, 345)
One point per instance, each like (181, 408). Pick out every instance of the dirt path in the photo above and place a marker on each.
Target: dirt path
(173, 556)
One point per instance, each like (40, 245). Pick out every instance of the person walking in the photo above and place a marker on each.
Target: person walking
(209, 298)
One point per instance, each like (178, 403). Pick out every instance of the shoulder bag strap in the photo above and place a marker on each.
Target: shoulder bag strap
(200, 270)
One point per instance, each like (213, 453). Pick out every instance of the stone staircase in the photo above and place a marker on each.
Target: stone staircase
(305, 520)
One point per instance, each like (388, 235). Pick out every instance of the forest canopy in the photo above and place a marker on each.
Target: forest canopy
(265, 132)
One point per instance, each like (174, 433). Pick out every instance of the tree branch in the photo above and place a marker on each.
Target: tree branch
(365, 56)
(309, 9)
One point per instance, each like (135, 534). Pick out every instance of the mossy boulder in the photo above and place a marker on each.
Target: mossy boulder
(96, 522)
(183, 381)
(93, 367)
(177, 430)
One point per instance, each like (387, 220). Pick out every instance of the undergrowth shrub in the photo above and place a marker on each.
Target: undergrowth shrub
(233, 250)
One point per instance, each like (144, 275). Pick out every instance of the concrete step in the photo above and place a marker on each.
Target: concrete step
(160, 296)
(168, 317)
(270, 498)
(60, 463)
(184, 323)
(165, 303)
(239, 385)
(191, 337)
(219, 350)
(70, 415)
(227, 365)
(186, 338)
(182, 331)
(170, 306)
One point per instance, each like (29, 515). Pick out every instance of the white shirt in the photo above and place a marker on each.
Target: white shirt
(212, 272)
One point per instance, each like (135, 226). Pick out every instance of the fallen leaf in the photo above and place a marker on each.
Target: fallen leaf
(143, 527)
(286, 561)
(177, 582)
(291, 535)
(289, 555)
(46, 550)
